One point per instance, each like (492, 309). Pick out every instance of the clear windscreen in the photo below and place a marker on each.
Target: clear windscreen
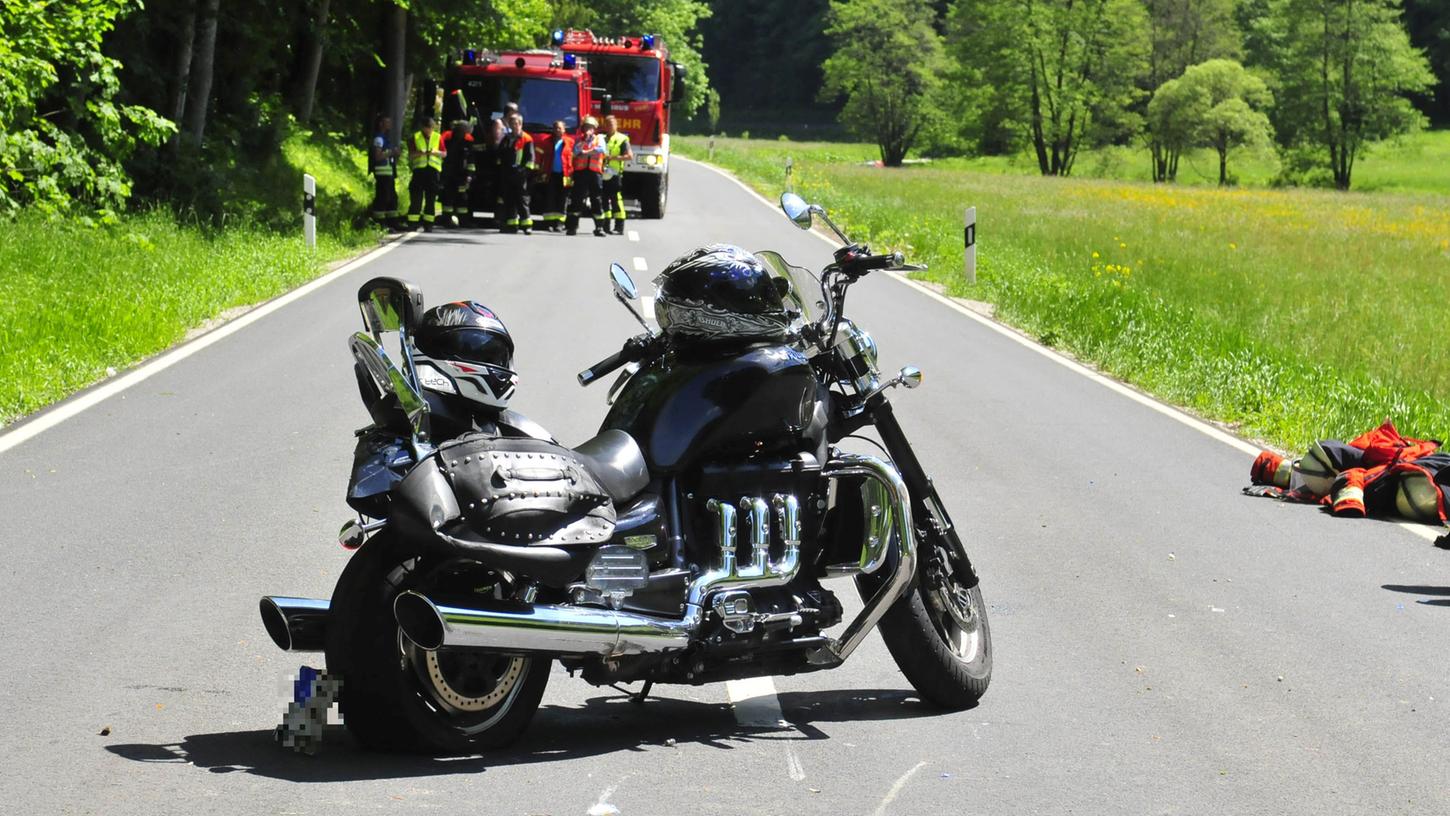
(541, 101)
(805, 288)
(627, 79)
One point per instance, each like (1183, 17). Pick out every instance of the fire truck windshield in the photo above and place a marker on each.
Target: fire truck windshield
(541, 101)
(627, 79)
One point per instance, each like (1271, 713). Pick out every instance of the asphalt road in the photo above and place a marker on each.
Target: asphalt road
(1163, 644)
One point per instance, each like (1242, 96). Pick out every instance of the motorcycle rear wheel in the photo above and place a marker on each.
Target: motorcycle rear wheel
(397, 697)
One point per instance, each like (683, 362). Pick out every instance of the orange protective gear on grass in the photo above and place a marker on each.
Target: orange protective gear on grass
(1384, 445)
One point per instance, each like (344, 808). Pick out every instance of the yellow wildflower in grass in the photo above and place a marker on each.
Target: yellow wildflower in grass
(1122, 246)
(1233, 245)
(1096, 255)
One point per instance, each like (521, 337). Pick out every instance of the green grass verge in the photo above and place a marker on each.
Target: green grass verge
(1293, 315)
(75, 301)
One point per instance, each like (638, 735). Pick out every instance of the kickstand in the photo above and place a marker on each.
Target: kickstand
(634, 696)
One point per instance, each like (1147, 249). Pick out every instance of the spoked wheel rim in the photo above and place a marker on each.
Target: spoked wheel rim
(958, 615)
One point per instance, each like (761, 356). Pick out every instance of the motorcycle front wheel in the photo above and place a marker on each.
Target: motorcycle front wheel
(940, 639)
(398, 697)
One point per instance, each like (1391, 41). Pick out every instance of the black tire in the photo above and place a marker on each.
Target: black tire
(388, 700)
(916, 635)
(653, 196)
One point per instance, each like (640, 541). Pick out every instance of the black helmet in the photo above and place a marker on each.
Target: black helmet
(464, 349)
(720, 292)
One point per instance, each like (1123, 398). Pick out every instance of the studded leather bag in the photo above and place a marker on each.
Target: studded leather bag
(526, 491)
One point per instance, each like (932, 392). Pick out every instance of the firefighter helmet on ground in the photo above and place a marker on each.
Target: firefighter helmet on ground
(720, 292)
(467, 343)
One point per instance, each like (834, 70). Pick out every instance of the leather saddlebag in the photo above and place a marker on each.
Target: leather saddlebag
(526, 491)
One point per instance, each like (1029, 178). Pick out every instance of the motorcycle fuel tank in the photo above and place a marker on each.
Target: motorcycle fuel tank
(684, 407)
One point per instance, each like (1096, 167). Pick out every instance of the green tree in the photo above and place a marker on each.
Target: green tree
(1183, 33)
(1345, 69)
(887, 65)
(1070, 68)
(1214, 104)
(63, 130)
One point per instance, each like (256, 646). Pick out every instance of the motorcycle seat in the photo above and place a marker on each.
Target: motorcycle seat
(617, 461)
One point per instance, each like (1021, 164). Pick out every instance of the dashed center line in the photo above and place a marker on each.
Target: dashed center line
(633, 235)
(640, 265)
(755, 703)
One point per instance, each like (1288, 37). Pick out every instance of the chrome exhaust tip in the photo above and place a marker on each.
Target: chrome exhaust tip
(295, 624)
(420, 620)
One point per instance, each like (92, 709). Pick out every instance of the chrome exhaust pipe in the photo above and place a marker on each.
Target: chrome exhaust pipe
(546, 628)
(295, 624)
(897, 523)
(588, 630)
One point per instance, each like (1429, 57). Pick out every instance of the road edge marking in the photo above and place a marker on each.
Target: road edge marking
(1170, 411)
(59, 412)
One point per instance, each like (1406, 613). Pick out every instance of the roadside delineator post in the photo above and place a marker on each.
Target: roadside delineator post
(969, 236)
(711, 147)
(309, 211)
(789, 174)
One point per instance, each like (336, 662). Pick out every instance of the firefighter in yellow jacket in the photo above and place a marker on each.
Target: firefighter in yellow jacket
(617, 154)
(425, 157)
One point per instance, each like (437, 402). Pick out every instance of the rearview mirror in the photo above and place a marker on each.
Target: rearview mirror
(391, 400)
(796, 209)
(390, 304)
(623, 284)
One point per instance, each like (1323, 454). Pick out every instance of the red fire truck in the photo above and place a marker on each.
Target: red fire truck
(547, 86)
(635, 78)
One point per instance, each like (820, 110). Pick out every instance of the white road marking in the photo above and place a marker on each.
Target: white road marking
(647, 305)
(69, 408)
(755, 702)
(793, 766)
(633, 235)
(1177, 414)
(896, 789)
(640, 265)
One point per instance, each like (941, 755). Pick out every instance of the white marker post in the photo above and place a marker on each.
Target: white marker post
(309, 211)
(789, 173)
(969, 235)
(712, 148)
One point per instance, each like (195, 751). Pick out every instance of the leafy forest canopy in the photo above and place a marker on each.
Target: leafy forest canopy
(108, 101)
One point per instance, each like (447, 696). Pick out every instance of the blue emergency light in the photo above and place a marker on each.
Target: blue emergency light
(570, 61)
(647, 43)
(470, 57)
(558, 36)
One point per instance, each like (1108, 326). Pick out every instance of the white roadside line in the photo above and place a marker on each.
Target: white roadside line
(896, 789)
(633, 235)
(71, 407)
(640, 265)
(1177, 414)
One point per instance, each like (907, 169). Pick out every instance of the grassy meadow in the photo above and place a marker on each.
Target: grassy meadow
(1290, 314)
(75, 300)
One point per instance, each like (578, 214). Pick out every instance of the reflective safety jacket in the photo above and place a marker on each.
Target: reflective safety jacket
(423, 144)
(615, 148)
(387, 165)
(589, 154)
(520, 151)
(563, 147)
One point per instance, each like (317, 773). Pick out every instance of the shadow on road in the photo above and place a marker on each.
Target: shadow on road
(602, 725)
(1413, 589)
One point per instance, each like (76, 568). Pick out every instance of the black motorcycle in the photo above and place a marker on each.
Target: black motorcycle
(686, 543)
